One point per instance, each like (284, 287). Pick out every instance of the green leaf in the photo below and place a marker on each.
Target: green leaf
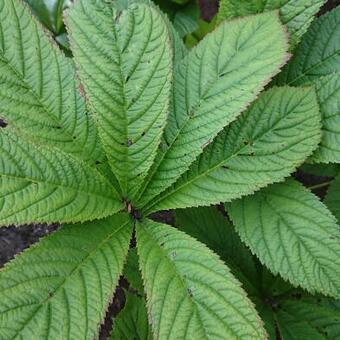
(132, 321)
(124, 61)
(213, 84)
(50, 13)
(296, 14)
(332, 199)
(38, 89)
(43, 185)
(209, 226)
(279, 131)
(186, 19)
(132, 273)
(61, 287)
(190, 293)
(291, 328)
(328, 93)
(314, 314)
(293, 234)
(318, 54)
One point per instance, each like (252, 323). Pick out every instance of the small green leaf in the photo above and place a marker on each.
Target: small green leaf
(186, 19)
(132, 321)
(43, 185)
(125, 63)
(50, 13)
(132, 273)
(61, 287)
(293, 234)
(190, 293)
(279, 131)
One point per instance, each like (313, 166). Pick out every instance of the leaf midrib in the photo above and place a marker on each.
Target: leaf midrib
(50, 183)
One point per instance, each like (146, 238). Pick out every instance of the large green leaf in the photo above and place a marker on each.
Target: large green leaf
(296, 14)
(318, 54)
(132, 322)
(278, 132)
(293, 234)
(60, 288)
(213, 84)
(124, 61)
(190, 293)
(332, 199)
(38, 89)
(43, 185)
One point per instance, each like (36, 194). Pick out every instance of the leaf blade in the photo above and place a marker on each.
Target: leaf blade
(303, 235)
(69, 299)
(38, 89)
(41, 184)
(130, 54)
(328, 91)
(184, 302)
(132, 321)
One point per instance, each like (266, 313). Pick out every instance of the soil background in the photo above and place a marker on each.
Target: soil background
(14, 240)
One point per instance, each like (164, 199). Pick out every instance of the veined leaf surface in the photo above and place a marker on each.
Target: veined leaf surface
(318, 54)
(209, 226)
(61, 287)
(328, 94)
(279, 131)
(39, 95)
(43, 185)
(296, 14)
(125, 63)
(213, 84)
(293, 234)
(190, 292)
(316, 61)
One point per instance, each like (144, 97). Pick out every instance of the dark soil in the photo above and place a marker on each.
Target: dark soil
(14, 240)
